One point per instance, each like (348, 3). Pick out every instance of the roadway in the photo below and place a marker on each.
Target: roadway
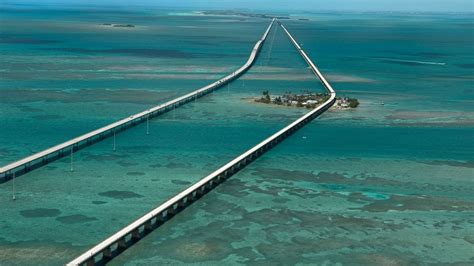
(44, 157)
(127, 236)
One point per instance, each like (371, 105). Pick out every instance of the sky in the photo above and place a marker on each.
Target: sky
(310, 5)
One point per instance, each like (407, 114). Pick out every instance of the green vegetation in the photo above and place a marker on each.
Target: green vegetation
(266, 97)
(306, 99)
(353, 103)
(346, 103)
(123, 25)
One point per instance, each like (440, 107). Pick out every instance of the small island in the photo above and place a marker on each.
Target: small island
(346, 103)
(119, 25)
(124, 26)
(307, 99)
(242, 14)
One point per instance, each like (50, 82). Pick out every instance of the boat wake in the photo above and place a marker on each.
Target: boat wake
(412, 61)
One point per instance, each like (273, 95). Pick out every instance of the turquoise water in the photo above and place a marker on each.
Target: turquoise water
(59, 213)
(63, 72)
(381, 184)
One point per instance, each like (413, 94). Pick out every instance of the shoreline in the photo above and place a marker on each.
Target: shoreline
(252, 101)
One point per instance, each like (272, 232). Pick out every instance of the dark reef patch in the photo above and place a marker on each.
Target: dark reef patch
(432, 54)
(126, 164)
(280, 200)
(135, 173)
(469, 239)
(40, 213)
(173, 165)
(333, 181)
(274, 190)
(7, 151)
(116, 194)
(47, 117)
(106, 157)
(467, 66)
(222, 206)
(270, 217)
(180, 182)
(208, 113)
(99, 202)
(28, 109)
(75, 219)
(234, 187)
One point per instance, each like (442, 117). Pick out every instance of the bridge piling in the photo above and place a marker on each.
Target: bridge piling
(114, 147)
(148, 125)
(107, 254)
(136, 235)
(72, 158)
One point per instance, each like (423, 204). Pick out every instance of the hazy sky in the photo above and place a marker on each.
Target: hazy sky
(313, 5)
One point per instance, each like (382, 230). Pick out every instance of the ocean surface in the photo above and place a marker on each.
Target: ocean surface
(390, 182)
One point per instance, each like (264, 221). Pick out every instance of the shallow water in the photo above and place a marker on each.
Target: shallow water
(59, 213)
(381, 184)
(384, 184)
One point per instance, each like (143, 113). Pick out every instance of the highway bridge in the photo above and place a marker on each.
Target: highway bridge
(67, 148)
(126, 237)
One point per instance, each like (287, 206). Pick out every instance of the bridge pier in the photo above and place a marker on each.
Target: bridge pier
(148, 227)
(190, 198)
(107, 254)
(90, 262)
(170, 212)
(121, 244)
(136, 234)
(159, 220)
(181, 204)
(205, 189)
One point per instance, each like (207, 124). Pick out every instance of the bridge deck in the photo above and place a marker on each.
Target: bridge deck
(127, 236)
(44, 157)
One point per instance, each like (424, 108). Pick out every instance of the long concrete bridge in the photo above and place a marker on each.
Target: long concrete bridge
(129, 235)
(67, 148)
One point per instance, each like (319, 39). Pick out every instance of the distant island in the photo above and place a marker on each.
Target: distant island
(119, 25)
(243, 14)
(306, 99)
